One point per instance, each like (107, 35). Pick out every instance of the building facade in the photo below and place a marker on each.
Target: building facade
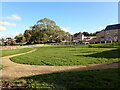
(79, 37)
(118, 35)
(100, 36)
(110, 34)
(88, 38)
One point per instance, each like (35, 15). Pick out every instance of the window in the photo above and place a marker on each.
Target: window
(102, 38)
(108, 31)
(115, 31)
(115, 38)
(108, 38)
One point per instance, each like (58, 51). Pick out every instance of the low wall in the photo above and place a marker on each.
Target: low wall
(10, 47)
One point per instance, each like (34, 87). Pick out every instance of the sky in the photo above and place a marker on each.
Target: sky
(72, 17)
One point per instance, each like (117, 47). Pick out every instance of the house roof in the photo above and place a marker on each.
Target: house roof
(112, 27)
(76, 34)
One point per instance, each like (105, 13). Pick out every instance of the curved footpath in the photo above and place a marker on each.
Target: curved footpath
(13, 70)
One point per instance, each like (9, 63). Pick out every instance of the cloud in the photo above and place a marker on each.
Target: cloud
(112, 23)
(3, 28)
(84, 30)
(12, 17)
(7, 24)
(101, 28)
(12, 35)
(66, 29)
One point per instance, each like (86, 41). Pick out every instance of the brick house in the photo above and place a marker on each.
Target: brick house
(110, 34)
(118, 35)
(100, 37)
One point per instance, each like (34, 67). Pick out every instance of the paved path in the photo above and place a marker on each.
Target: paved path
(39, 45)
(13, 70)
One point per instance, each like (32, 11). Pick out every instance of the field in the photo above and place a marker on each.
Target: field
(107, 78)
(69, 55)
(15, 51)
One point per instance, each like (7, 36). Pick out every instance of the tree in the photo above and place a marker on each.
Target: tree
(89, 34)
(48, 28)
(69, 36)
(19, 38)
(45, 38)
(46, 22)
(45, 30)
(85, 33)
(27, 35)
(56, 27)
(3, 43)
(23, 39)
(13, 43)
(37, 37)
(8, 43)
(42, 26)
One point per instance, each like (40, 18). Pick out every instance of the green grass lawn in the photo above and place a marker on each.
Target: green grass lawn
(69, 55)
(107, 78)
(15, 51)
(106, 45)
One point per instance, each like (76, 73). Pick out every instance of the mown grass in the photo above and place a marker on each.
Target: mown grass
(15, 51)
(107, 78)
(69, 55)
(105, 45)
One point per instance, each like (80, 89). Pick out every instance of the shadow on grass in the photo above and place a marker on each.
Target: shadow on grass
(105, 54)
(71, 78)
(76, 79)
